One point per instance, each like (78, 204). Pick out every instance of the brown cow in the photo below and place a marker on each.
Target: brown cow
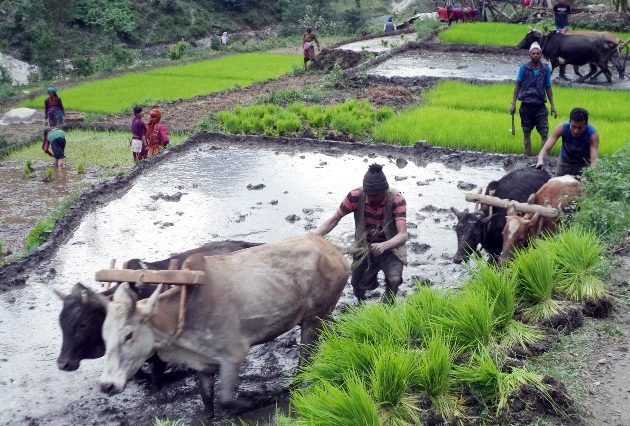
(559, 192)
(250, 297)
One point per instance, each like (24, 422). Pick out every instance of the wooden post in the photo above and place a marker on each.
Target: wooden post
(520, 207)
(112, 264)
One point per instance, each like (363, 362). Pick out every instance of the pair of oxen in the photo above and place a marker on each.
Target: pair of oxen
(499, 231)
(252, 294)
(595, 48)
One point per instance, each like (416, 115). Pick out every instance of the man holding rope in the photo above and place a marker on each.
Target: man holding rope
(380, 218)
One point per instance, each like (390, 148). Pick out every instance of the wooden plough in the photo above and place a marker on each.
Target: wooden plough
(505, 203)
(171, 276)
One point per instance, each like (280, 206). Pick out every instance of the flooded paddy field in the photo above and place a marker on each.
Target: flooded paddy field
(472, 63)
(208, 193)
(378, 44)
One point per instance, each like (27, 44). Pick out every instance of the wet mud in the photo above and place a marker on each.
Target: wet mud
(201, 190)
(380, 44)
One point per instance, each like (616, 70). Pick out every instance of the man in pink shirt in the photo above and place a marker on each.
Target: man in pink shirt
(380, 218)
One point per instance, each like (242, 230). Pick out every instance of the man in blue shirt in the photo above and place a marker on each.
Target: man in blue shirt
(580, 144)
(533, 82)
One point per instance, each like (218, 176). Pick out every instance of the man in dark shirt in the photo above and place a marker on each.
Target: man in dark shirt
(580, 144)
(561, 12)
(380, 218)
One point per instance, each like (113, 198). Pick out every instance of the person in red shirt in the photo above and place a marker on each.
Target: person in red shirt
(380, 218)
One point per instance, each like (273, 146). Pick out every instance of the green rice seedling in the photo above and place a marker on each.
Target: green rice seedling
(375, 323)
(167, 422)
(579, 256)
(498, 286)
(469, 321)
(336, 355)
(389, 382)
(288, 124)
(2, 251)
(421, 310)
(114, 95)
(491, 385)
(81, 168)
(28, 170)
(327, 404)
(384, 113)
(49, 175)
(535, 272)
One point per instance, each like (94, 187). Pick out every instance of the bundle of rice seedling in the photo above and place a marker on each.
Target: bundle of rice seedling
(421, 310)
(375, 323)
(499, 287)
(579, 256)
(535, 277)
(490, 384)
(469, 321)
(328, 404)
(432, 375)
(334, 356)
(389, 384)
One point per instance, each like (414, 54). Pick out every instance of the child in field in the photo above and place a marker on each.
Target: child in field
(138, 140)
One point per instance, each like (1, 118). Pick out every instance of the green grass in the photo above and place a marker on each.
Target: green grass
(118, 94)
(492, 33)
(40, 232)
(90, 148)
(476, 117)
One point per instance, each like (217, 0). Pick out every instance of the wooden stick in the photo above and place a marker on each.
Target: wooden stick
(181, 316)
(184, 277)
(112, 264)
(520, 207)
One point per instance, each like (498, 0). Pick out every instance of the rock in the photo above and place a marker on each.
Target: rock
(466, 186)
(308, 211)
(292, 218)
(273, 202)
(174, 198)
(401, 163)
(255, 187)
(21, 115)
(400, 178)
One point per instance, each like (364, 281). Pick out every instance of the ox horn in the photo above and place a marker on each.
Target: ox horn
(89, 295)
(456, 212)
(478, 204)
(60, 294)
(152, 302)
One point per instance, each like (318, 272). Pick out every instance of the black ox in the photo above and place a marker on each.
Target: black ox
(83, 313)
(480, 227)
(562, 49)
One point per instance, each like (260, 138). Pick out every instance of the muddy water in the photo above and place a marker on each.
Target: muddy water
(468, 65)
(380, 44)
(215, 204)
(18, 192)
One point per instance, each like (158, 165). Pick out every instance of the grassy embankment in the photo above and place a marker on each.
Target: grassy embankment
(467, 116)
(118, 94)
(493, 33)
(448, 349)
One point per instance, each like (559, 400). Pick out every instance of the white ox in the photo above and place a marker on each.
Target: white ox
(250, 297)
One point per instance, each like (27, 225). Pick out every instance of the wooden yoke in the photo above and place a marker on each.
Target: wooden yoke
(520, 207)
(172, 275)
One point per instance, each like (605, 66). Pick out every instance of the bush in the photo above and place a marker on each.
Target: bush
(177, 50)
(83, 66)
(215, 42)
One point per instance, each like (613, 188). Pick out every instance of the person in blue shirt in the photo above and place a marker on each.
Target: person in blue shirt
(389, 26)
(580, 144)
(561, 11)
(533, 87)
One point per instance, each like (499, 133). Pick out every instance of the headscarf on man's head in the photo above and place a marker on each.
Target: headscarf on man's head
(390, 18)
(535, 45)
(51, 90)
(374, 181)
